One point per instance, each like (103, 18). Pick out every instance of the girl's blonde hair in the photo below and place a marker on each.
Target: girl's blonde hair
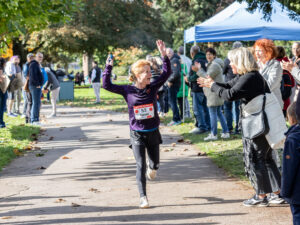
(138, 68)
(243, 59)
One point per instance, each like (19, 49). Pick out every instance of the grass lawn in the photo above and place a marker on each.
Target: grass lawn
(15, 139)
(84, 97)
(226, 154)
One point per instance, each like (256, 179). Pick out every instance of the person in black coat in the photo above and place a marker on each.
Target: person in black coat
(260, 166)
(174, 82)
(290, 180)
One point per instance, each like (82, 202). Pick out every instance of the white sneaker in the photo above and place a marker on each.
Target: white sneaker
(211, 137)
(151, 174)
(225, 135)
(37, 124)
(51, 116)
(144, 202)
(23, 116)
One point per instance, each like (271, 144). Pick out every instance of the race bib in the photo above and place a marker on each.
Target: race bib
(143, 112)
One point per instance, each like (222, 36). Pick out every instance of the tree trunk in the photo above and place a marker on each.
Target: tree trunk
(19, 49)
(87, 59)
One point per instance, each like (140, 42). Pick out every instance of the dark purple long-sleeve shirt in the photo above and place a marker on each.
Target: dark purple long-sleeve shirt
(142, 103)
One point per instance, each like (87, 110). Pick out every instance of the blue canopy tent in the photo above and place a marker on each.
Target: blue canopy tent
(235, 23)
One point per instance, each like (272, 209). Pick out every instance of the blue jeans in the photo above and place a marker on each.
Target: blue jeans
(173, 103)
(3, 98)
(228, 114)
(36, 103)
(296, 214)
(215, 113)
(25, 102)
(201, 111)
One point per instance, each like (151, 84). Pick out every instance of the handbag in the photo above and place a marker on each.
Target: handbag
(4, 84)
(256, 124)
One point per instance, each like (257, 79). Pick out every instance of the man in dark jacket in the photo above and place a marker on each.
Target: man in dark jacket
(290, 179)
(199, 100)
(36, 81)
(229, 75)
(174, 85)
(95, 77)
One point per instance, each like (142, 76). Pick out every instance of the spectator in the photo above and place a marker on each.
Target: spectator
(269, 67)
(95, 77)
(259, 164)
(52, 84)
(287, 82)
(174, 85)
(214, 102)
(18, 89)
(28, 105)
(290, 183)
(12, 69)
(228, 106)
(200, 109)
(186, 63)
(156, 72)
(24, 76)
(3, 93)
(36, 80)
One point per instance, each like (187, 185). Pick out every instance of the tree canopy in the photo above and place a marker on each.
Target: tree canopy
(266, 7)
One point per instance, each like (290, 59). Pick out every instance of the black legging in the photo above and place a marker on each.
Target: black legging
(260, 166)
(140, 141)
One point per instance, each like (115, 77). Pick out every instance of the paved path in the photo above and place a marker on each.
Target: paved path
(89, 178)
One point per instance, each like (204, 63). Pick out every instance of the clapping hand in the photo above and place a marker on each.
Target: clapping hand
(205, 82)
(287, 65)
(161, 48)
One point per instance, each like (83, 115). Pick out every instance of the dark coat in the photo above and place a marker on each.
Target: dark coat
(290, 179)
(175, 78)
(199, 57)
(36, 77)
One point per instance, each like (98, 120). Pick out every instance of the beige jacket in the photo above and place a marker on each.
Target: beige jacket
(215, 71)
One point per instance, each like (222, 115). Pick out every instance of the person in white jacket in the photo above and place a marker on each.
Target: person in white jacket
(269, 67)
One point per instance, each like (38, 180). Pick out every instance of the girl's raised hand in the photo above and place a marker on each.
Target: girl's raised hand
(109, 61)
(161, 47)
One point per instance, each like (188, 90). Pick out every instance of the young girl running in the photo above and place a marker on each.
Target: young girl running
(144, 121)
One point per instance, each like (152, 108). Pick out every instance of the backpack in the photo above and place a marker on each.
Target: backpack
(287, 83)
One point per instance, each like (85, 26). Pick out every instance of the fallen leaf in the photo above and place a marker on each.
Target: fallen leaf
(117, 137)
(75, 205)
(41, 168)
(60, 200)
(173, 144)
(202, 154)
(94, 190)
(51, 138)
(36, 148)
(39, 154)
(110, 120)
(185, 150)
(65, 157)
(180, 140)
(188, 142)
(6, 217)
(83, 139)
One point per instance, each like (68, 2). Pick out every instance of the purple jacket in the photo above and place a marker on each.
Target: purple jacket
(142, 103)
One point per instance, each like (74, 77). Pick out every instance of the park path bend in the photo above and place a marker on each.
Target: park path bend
(84, 173)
